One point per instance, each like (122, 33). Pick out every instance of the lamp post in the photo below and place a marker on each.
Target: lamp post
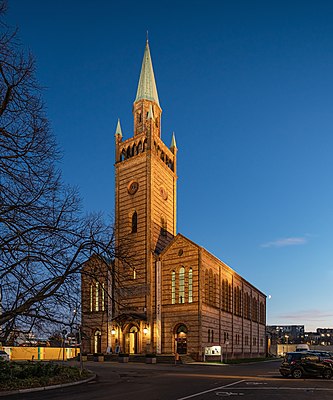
(287, 337)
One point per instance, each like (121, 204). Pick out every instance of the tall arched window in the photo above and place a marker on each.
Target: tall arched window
(103, 297)
(173, 287)
(182, 285)
(211, 287)
(97, 296)
(91, 297)
(164, 228)
(134, 222)
(206, 286)
(214, 290)
(190, 285)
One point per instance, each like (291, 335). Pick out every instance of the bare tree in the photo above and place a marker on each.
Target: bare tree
(44, 239)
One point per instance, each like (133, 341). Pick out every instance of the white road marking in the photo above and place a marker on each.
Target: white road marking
(210, 390)
(315, 389)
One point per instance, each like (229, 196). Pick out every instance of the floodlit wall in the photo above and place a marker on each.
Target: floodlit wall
(41, 353)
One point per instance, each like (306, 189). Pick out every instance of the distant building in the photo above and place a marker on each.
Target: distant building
(322, 337)
(175, 296)
(291, 334)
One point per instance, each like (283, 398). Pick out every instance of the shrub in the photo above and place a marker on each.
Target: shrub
(18, 375)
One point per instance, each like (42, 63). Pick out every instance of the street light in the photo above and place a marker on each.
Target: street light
(287, 337)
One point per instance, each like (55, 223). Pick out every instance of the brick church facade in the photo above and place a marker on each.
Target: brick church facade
(172, 296)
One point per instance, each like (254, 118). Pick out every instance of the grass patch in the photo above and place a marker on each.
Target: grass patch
(23, 375)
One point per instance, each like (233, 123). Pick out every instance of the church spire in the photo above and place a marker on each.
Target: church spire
(118, 129)
(147, 86)
(173, 142)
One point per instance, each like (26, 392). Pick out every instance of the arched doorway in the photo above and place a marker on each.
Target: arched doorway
(97, 341)
(131, 340)
(181, 339)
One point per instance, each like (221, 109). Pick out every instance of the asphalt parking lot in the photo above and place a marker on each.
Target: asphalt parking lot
(118, 381)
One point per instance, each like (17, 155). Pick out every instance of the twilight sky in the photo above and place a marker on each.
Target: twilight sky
(247, 87)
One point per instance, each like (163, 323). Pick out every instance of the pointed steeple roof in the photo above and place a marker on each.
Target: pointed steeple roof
(173, 141)
(147, 85)
(118, 129)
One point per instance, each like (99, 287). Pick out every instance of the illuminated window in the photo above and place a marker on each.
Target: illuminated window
(173, 287)
(91, 297)
(134, 222)
(97, 297)
(134, 273)
(190, 285)
(182, 285)
(103, 297)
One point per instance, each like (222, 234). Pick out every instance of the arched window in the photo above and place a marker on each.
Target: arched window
(103, 297)
(214, 290)
(91, 297)
(181, 285)
(211, 287)
(206, 286)
(190, 285)
(208, 335)
(173, 287)
(97, 296)
(212, 333)
(163, 226)
(134, 222)
(229, 298)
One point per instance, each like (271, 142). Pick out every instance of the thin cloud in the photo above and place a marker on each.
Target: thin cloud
(308, 315)
(291, 241)
(312, 319)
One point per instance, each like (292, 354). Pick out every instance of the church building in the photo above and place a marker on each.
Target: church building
(170, 295)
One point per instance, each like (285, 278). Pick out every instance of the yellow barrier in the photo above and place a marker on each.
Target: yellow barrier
(41, 353)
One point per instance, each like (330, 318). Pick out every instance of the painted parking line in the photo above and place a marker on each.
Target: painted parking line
(308, 389)
(211, 390)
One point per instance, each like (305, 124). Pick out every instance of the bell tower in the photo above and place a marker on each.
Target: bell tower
(145, 207)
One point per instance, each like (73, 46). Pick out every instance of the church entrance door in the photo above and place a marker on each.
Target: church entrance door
(131, 340)
(181, 339)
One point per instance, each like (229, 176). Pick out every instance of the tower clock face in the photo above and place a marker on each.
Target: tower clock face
(163, 193)
(133, 187)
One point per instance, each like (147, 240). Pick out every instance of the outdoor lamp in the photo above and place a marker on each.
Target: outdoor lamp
(113, 330)
(145, 330)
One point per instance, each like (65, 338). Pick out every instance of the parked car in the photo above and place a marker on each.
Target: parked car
(4, 355)
(323, 355)
(299, 364)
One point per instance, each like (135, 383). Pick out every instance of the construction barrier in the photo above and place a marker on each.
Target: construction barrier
(41, 353)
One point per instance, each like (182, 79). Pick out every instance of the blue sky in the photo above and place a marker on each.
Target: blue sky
(247, 87)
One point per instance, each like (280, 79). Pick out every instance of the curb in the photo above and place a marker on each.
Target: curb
(39, 389)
